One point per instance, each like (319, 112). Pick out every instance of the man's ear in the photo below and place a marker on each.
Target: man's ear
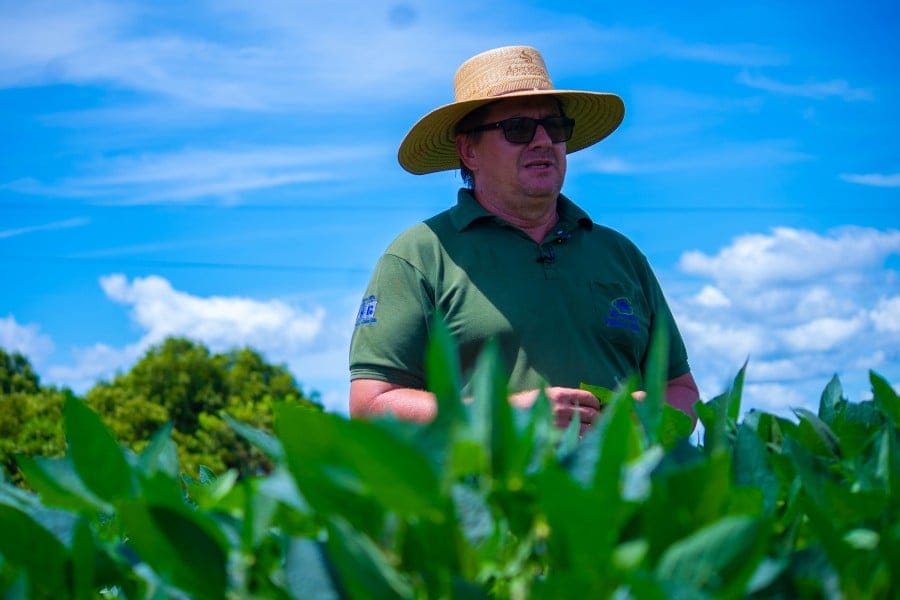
(466, 150)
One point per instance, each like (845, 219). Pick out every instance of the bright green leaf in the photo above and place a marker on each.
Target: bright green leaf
(97, 456)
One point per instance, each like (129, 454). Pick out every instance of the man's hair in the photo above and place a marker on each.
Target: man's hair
(474, 119)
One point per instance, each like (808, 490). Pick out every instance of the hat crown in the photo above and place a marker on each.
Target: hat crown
(501, 71)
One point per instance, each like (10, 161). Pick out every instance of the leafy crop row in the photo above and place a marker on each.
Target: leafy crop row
(486, 501)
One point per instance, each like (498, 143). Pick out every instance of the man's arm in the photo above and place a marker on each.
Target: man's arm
(370, 397)
(682, 393)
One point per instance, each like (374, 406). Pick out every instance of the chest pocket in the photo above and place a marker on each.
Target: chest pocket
(623, 316)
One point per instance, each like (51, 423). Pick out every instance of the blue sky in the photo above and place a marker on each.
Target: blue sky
(227, 171)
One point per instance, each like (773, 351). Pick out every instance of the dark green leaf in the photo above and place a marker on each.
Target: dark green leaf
(57, 483)
(269, 444)
(751, 466)
(489, 388)
(717, 559)
(831, 400)
(719, 415)
(356, 457)
(442, 372)
(815, 435)
(183, 549)
(885, 398)
(649, 410)
(161, 454)
(307, 573)
(363, 569)
(25, 543)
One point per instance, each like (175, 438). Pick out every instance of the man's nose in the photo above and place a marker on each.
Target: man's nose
(541, 137)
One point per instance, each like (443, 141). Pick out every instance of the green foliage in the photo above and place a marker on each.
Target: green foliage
(182, 382)
(485, 501)
(30, 415)
(179, 382)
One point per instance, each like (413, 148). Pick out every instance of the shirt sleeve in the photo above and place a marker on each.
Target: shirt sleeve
(391, 331)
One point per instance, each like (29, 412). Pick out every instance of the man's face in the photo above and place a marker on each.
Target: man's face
(517, 174)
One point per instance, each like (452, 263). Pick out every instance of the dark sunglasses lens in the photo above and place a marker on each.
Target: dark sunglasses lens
(519, 130)
(558, 128)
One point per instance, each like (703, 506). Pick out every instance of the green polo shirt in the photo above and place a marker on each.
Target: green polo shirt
(576, 308)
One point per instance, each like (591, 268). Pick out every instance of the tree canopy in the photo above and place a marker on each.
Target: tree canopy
(178, 381)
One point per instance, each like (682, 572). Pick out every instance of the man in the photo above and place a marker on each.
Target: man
(569, 301)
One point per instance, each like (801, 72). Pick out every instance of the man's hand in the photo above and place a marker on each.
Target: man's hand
(565, 403)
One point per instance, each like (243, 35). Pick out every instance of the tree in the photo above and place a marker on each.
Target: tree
(30, 415)
(183, 382)
(16, 374)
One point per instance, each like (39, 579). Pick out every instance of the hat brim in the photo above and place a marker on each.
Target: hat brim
(430, 145)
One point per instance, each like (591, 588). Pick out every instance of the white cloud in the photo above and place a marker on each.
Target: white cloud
(777, 398)
(95, 363)
(886, 315)
(816, 90)
(889, 180)
(219, 322)
(802, 307)
(711, 296)
(282, 332)
(25, 339)
(822, 334)
(758, 261)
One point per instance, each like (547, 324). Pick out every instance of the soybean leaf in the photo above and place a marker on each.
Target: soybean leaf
(330, 454)
(816, 435)
(854, 425)
(603, 394)
(442, 372)
(490, 392)
(751, 466)
(685, 497)
(362, 568)
(583, 537)
(718, 559)
(57, 483)
(720, 414)
(885, 398)
(97, 456)
(161, 454)
(83, 558)
(179, 546)
(674, 426)
(266, 442)
(831, 400)
(26, 543)
(307, 571)
(649, 410)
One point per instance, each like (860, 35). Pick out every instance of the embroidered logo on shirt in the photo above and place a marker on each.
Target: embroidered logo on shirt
(621, 314)
(366, 314)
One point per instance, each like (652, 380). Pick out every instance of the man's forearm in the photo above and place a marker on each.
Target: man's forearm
(682, 393)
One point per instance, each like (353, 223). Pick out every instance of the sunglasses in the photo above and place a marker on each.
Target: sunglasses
(521, 130)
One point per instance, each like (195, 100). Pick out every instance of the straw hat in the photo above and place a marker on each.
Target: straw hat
(503, 73)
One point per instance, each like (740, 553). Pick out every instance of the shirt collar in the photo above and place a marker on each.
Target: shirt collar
(468, 210)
